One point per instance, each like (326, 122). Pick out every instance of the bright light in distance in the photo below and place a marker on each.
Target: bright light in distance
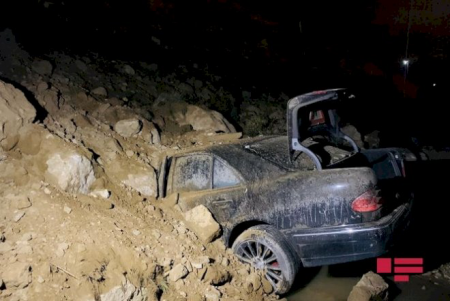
(434, 84)
(405, 62)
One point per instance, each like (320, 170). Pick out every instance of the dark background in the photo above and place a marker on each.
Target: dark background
(288, 46)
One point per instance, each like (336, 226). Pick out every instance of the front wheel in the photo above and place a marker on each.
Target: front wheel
(265, 249)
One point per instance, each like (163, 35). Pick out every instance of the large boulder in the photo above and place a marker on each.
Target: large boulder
(15, 113)
(370, 287)
(128, 127)
(72, 172)
(195, 117)
(201, 221)
(206, 120)
(100, 91)
(138, 176)
(42, 67)
(144, 183)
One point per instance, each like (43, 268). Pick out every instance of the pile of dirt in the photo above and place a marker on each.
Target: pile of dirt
(443, 272)
(79, 156)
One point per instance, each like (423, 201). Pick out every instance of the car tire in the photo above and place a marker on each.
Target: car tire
(265, 248)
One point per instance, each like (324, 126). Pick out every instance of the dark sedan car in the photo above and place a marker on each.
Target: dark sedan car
(309, 199)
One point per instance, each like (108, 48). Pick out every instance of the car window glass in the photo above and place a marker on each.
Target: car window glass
(192, 173)
(223, 175)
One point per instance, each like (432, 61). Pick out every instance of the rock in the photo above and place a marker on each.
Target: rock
(47, 191)
(178, 272)
(225, 262)
(125, 292)
(128, 70)
(71, 172)
(129, 153)
(144, 183)
(67, 210)
(100, 91)
(197, 265)
(136, 232)
(102, 193)
(372, 140)
(2, 238)
(353, 133)
(61, 249)
(200, 261)
(442, 271)
(370, 287)
(212, 294)
(17, 274)
(114, 101)
(42, 67)
(18, 216)
(41, 279)
(186, 88)
(128, 127)
(16, 112)
(150, 133)
(42, 87)
(207, 120)
(50, 100)
(359, 294)
(217, 277)
(201, 221)
(30, 139)
(81, 65)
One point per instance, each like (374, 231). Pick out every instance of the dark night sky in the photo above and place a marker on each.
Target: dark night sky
(289, 46)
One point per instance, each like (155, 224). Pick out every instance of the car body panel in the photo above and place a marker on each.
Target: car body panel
(310, 206)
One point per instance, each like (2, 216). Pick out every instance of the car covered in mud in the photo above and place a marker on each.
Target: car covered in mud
(307, 199)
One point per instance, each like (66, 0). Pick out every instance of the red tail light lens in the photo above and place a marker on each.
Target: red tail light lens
(367, 202)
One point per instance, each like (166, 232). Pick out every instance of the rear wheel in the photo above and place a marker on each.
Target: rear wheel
(265, 248)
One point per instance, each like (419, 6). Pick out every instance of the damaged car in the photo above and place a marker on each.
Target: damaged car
(307, 199)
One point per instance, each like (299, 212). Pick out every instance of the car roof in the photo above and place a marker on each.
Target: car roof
(241, 156)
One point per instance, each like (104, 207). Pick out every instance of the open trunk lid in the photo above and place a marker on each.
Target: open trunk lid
(313, 113)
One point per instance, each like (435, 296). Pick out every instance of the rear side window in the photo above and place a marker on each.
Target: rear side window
(192, 173)
(224, 176)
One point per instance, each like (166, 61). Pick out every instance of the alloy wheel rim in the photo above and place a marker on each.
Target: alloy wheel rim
(261, 257)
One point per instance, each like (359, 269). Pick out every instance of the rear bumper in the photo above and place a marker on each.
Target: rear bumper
(331, 245)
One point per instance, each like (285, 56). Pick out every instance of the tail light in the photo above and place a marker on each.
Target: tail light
(369, 201)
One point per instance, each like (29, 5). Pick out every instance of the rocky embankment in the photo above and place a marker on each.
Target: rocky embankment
(80, 146)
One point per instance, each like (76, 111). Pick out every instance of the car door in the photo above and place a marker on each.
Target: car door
(208, 180)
